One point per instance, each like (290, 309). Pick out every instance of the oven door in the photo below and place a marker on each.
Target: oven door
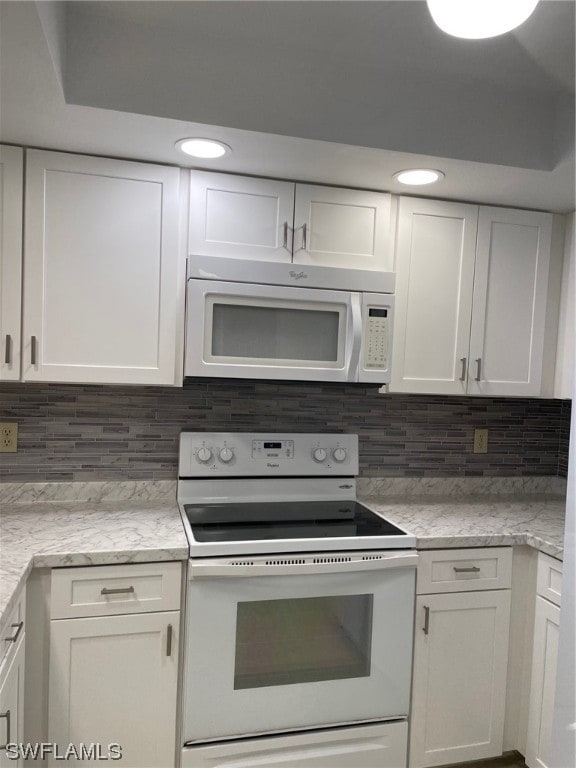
(309, 647)
(241, 330)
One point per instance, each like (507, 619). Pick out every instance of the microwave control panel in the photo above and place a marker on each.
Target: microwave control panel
(376, 341)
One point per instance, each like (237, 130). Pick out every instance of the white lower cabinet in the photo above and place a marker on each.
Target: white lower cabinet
(544, 661)
(12, 704)
(113, 681)
(113, 675)
(459, 681)
(371, 746)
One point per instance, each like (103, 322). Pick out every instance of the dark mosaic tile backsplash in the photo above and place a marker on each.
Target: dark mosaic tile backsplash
(69, 432)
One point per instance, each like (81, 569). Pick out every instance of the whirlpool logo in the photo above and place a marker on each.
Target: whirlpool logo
(298, 275)
(272, 466)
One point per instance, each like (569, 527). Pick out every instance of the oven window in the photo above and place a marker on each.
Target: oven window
(302, 640)
(274, 333)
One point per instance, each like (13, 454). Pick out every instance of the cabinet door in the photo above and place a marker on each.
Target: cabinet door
(11, 203)
(509, 305)
(240, 217)
(103, 281)
(347, 228)
(12, 706)
(435, 253)
(564, 376)
(459, 683)
(113, 680)
(543, 686)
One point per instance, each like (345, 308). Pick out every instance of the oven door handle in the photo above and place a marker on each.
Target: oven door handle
(295, 566)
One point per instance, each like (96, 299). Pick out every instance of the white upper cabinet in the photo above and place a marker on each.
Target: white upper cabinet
(509, 304)
(262, 220)
(104, 274)
(564, 378)
(11, 201)
(471, 294)
(435, 253)
(240, 217)
(346, 228)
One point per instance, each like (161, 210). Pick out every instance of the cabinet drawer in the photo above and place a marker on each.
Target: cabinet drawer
(464, 570)
(115, 589)
(12, 629)
(549, 578)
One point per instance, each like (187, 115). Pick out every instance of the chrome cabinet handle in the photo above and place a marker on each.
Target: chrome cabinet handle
(464, 362)
(33, 350)
(8, 353)
(285, 241)
(7, 716)
(14, 637)
(169, 640)
(426, 627)
(117, 591)
(471, 569)
(478, 369)
(304, 237)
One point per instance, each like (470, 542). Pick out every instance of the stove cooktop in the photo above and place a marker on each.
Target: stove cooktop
(265, 521)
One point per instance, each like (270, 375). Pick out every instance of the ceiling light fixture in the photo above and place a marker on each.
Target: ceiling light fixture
(477, 19)
(207, 149)
(419, 176)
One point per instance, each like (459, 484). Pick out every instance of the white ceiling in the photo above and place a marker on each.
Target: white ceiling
(334, 92)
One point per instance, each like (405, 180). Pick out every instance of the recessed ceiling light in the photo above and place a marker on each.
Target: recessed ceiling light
(207, 149)
(418, 176)
(478, 19)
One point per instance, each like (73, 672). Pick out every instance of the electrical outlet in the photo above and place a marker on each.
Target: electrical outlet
(8, 437)
(480, 441)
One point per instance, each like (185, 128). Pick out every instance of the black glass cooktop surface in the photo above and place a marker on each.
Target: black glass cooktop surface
(285, 520)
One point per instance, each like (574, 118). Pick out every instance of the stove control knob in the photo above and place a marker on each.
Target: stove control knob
(319, 455)
(226, 455)
(204, 455)
(339, 454)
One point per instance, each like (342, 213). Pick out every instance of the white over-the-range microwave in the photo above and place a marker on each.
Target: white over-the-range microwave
(264, 330)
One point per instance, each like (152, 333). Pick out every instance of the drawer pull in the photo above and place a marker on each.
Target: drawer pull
(470, 569)
(169, 640)
(7, 716)
(426, 626)
(117, 591)
(14, 637)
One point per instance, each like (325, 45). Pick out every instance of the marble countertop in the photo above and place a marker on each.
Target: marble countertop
(478, 521)
(59, 524)
(61, 533)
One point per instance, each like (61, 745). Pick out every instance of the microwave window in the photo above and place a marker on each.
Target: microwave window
(274, 333)
(302, 640)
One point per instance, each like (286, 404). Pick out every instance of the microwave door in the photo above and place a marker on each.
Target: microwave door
(240, 330)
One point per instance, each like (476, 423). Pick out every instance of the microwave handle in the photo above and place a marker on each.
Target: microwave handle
(354, 334)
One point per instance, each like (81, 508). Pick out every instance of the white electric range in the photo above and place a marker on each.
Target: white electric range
(300, 607)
